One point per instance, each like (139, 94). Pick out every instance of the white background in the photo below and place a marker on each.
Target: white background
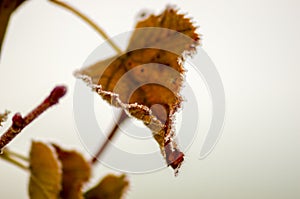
(255, 46)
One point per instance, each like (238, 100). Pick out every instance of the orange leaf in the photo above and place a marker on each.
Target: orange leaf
(76, 171)
(110, 187)
(45, 172)
(146, 80)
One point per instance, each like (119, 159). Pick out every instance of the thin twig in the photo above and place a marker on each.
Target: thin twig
(19, 122)
(16, 155)
(88, 21)
(8, 158)
(123, 116)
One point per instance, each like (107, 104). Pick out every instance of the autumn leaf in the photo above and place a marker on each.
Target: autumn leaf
(76, 171)
(110, 187)
(45, 172)
(58, 173)
(147, 79)
(3, 117)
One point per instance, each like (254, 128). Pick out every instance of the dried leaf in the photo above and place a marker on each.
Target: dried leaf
(146, 80)
(110, 187)
(76, 171)
(45, 168)
(3, 117)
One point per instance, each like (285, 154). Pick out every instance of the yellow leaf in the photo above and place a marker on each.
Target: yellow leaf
(45, 172)
(110, 187)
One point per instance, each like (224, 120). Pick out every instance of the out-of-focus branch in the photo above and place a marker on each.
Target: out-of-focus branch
(88, 21)
(7, 7)
(96, 157)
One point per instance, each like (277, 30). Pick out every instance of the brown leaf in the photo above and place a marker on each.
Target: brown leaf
(6, 9)
(110, 187)
(76, 171)
(45, 172)
(146, 80)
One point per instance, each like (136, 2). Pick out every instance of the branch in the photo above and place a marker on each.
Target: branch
(19, 122)
(6, 156)
(15, 155)
(96, 157)
(7, 7)
(88, 21)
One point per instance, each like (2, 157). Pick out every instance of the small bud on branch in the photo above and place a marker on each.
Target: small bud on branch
(19, 122)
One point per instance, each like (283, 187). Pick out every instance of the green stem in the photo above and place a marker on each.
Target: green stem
(13, 161)
(16, 155)
(88, 21)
